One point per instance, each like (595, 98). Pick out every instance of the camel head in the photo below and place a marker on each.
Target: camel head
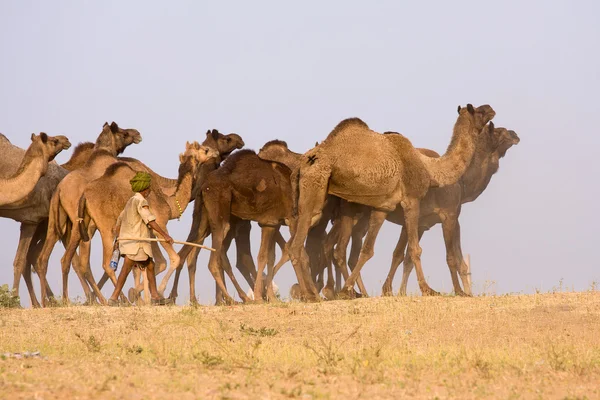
(275, 150)
(50, 145)
(504, 139)
(121, 138)
(479, 116)
(224, 144)
(199, 152)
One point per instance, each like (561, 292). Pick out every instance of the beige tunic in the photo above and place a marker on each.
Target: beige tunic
(134, 220)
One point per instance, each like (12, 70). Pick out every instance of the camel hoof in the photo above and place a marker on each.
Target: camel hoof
(430, 292)
(328, 293)
(133, 295)
(387, 291)
(346, 294)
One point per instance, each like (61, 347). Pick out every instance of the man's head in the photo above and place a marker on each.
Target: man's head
(140, 183)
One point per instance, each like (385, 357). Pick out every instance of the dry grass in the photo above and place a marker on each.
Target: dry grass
(539, 346)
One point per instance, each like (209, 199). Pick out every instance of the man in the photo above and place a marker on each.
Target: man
(135, 221)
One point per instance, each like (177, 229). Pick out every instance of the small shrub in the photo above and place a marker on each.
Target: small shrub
(8, 299)
(261, 332)
(91, 343)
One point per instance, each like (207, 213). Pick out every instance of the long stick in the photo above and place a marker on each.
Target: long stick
(163, 240)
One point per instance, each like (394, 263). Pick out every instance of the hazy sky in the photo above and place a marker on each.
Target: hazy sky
(269, 70)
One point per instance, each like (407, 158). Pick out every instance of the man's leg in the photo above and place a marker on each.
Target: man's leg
(151, 279)
(127, 265)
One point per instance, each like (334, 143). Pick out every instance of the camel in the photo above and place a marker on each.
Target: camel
(240, 230)
(105, 197)
(318, 253)
(440, 205)
(248, 188)
(34, 165)
(443, 205)
(31, 212)
(380, 171)
(81, 154)
(111, 142)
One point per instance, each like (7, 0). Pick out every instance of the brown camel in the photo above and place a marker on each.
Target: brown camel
(249, 188)
(63, 207)
(33, 166)
(380, 171)
(240, 229)
(277, 150)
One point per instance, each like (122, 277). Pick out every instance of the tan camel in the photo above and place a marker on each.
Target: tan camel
(443, 205)
(251, 189)
(63, 207)
(440, 205)
(223, 145)
(105, 197)
(34, 165)
(31, 212)
(81, 154)
(381, 171)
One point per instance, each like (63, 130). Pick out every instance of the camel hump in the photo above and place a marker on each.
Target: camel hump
(348, 123)
(429, 153)
(114, 168)
(275, 142)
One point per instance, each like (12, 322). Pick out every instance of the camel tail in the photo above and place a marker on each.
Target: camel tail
(83, 219)
(295, 182)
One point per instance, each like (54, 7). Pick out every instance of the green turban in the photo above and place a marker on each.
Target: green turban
(140, 181)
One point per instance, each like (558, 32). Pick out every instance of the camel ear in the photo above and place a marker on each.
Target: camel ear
(181, 158)
(44, 137)
(114, 128)
(459, 109)
(492, 127)
(470, 108)
(105, 125)
(187, 144)
(215, 134)
(32, 137)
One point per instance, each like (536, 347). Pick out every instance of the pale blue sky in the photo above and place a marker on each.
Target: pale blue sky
(269, 69)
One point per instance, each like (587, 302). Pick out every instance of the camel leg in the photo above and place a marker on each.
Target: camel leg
(266, 241)
(464, 269)
(160, 263)
(339, 252)
(311, 200)
(285, 257)
(397, 258)
(43, 258)
(65, 262)
(199, 231)
(411, 223)
(408, 265)
(375, 221)
(173, 263)
(358, 233)
(452, 258)
(244, 261)
(19, 264)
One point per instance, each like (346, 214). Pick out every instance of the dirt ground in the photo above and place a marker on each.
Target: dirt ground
(543, 346)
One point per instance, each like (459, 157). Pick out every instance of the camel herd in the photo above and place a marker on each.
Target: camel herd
(352, 182)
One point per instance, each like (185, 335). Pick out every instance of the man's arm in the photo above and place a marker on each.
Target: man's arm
(162, 233)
